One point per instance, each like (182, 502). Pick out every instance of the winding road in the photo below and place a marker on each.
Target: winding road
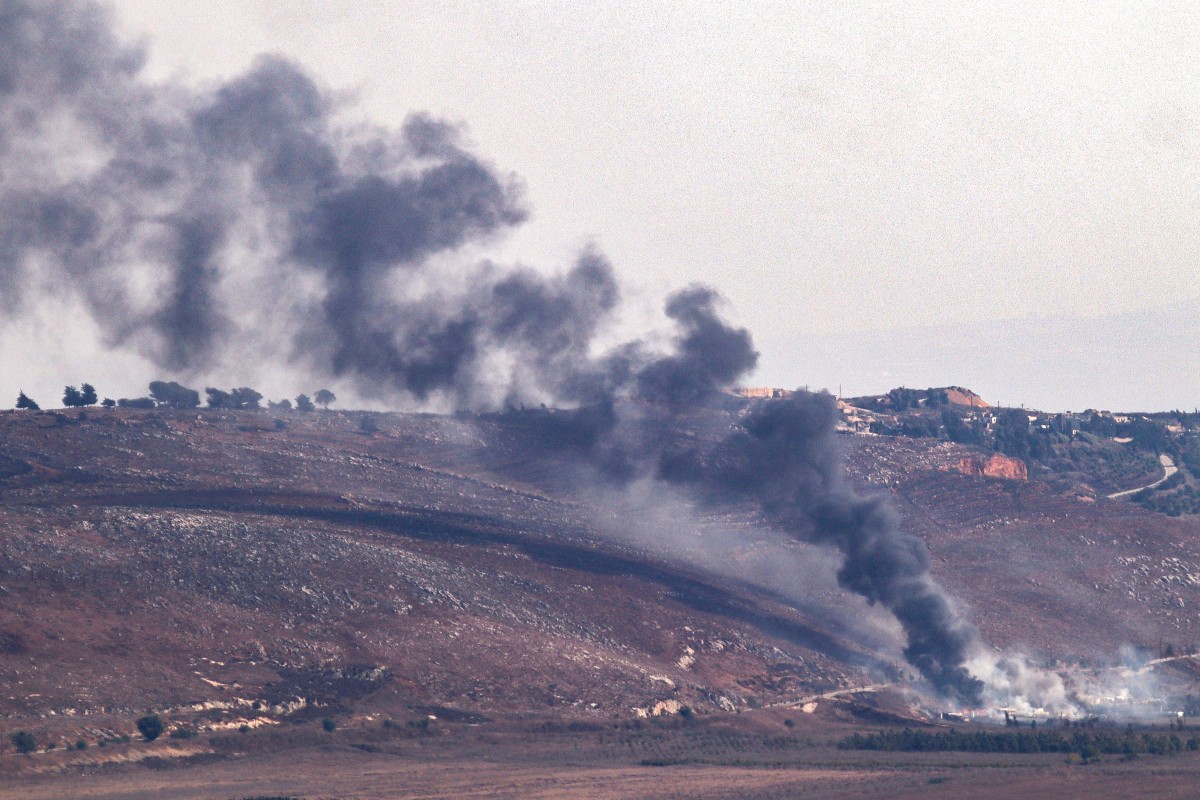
(1169, 469)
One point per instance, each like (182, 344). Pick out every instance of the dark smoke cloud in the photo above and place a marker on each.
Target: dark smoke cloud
(709, 355)
(190, 320)
(199, 225)
(184, 218)
(784, 454)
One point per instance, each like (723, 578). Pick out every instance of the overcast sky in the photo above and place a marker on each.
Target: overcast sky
(999, 195)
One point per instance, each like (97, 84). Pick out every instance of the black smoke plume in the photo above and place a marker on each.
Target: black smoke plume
(709, 355)
(196, 224)
(783, 454)
(204, 225)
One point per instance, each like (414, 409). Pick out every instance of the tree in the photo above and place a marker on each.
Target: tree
(329, 724)
(245, 398)
(960, 430)
(304, 404)
(1012, 433)
(72, 397)
(24, 742)
(109, 403)
(936, 397)
(173, 395)
(218, 398)
(151, 727)
(240, 399)
(25, 402)
(1148, 435)
(324, 397)
(137, 402)
(282, 405)
(902, 399)
(367, 424)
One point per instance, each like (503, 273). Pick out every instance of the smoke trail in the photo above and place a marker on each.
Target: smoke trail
(785, 456)
(198, 225)
(709, 355)
(201, 224)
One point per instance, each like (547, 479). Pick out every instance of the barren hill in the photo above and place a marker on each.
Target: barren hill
(211, 561)
(228, 569)
(1058, 573)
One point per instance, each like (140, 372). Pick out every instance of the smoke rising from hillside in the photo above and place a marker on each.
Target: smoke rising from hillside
(782, 455)
(709, 355)
(202, 226)
(199, 225)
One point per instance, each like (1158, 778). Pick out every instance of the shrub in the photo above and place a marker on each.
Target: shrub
(151, 727)
(24, 742)
(183, 733)
(329, 725)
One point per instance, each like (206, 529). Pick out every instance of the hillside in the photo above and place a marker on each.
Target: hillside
(229, 569)
(1061, 573)
(174, 560)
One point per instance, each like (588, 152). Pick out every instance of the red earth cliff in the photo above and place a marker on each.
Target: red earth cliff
(994, 466)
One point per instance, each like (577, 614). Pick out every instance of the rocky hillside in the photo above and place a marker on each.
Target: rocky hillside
(228, 566)
(241, 568)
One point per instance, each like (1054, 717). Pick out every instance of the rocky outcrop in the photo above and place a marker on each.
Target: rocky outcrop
(994, 466)
(959, 396)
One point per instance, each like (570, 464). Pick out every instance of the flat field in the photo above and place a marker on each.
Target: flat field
(751, 756)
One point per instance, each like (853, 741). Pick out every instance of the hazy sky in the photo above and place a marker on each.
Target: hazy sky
(1021, 177)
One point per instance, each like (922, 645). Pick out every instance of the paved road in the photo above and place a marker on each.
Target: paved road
(1169, 469)
(812, 698)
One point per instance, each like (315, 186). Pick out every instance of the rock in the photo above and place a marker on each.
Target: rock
(994, 466)
(959, 396)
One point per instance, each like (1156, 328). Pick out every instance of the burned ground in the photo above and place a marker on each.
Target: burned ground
(173, 561)
(225, 571)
